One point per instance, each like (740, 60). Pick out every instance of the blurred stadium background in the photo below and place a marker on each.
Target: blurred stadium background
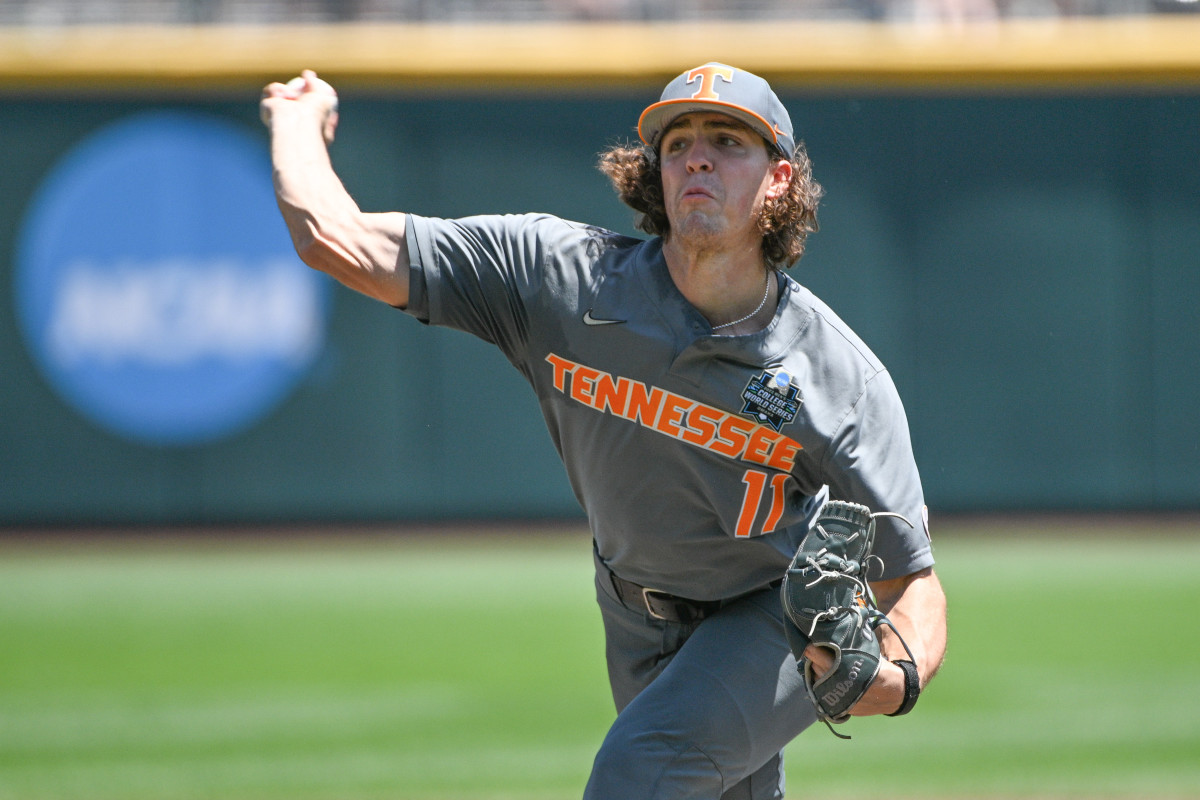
(188, 12)
(240, 506)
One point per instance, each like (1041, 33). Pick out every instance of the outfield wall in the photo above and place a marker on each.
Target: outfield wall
(1010, 221)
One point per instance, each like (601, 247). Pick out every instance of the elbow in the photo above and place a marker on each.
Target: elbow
(346, 248)
(302, 230)
(316, 250)
(349, 267)
(311, 250)
(324, 255)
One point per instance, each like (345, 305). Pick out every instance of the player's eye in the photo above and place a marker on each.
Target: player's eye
(674, 145)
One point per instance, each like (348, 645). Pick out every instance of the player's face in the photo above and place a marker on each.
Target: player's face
(716, 174)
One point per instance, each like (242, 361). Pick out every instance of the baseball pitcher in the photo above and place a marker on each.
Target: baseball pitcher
(761, 544)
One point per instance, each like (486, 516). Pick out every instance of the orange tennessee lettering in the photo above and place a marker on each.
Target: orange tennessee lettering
(643, 407)
(680, 418)
(561, 368)
(707, 75)
(783, 455)
(672, 414)
(732, 439)
(611, 394)
(759, 445)
(583, 382)
(702, 425)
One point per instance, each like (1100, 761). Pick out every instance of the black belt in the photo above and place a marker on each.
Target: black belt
(668, 607)
(661, 605)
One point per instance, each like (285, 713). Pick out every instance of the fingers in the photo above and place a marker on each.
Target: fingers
(266, 105)
(303, 84)
(307, 83)
(293, 88)
(885, 694)
(821, 658)
(305, 88)
(307, 80)
(275, 89)
(298, 86)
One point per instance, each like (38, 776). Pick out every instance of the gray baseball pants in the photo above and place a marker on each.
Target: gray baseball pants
(704, 710)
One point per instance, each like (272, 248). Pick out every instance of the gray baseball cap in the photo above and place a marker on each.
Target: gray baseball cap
(727, 90)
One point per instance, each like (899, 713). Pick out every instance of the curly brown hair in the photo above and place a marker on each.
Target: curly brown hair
(785, 221)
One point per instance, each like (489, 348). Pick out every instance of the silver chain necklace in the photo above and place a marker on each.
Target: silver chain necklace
(766, 293)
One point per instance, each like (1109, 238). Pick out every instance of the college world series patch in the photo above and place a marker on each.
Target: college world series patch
(772, 399)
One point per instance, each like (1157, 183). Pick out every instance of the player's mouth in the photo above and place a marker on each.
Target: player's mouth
(697, 193)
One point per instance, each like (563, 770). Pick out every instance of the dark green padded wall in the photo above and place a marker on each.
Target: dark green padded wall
(1026, 264)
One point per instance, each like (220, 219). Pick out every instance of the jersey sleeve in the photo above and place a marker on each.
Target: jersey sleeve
(871, 462)
(477, 274)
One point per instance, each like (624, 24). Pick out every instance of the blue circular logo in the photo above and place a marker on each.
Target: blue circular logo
(156, 285)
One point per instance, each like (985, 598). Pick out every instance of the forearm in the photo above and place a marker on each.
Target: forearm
(306, 187)
(916, 605)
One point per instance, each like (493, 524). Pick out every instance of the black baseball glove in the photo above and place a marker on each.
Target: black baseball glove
(829, 603)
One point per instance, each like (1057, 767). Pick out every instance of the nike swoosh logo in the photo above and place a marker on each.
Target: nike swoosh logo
(588, 319)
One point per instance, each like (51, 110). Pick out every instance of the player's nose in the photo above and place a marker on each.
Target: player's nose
(698, 158)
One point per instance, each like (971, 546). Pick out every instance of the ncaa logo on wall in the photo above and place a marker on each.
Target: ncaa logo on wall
(156, 286)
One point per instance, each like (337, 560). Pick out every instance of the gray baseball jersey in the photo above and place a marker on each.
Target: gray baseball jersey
(699, 459)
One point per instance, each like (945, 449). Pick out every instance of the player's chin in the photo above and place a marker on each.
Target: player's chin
(696, 228)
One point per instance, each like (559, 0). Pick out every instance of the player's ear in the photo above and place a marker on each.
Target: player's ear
(781, 178)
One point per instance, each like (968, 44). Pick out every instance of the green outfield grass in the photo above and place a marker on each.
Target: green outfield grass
(472, 668)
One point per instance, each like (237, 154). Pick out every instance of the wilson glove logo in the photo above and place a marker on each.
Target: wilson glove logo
(840, 689)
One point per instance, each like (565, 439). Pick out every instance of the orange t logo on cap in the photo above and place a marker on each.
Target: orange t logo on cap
(708, 80)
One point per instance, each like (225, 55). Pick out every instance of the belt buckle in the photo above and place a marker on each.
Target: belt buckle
(646, 592)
